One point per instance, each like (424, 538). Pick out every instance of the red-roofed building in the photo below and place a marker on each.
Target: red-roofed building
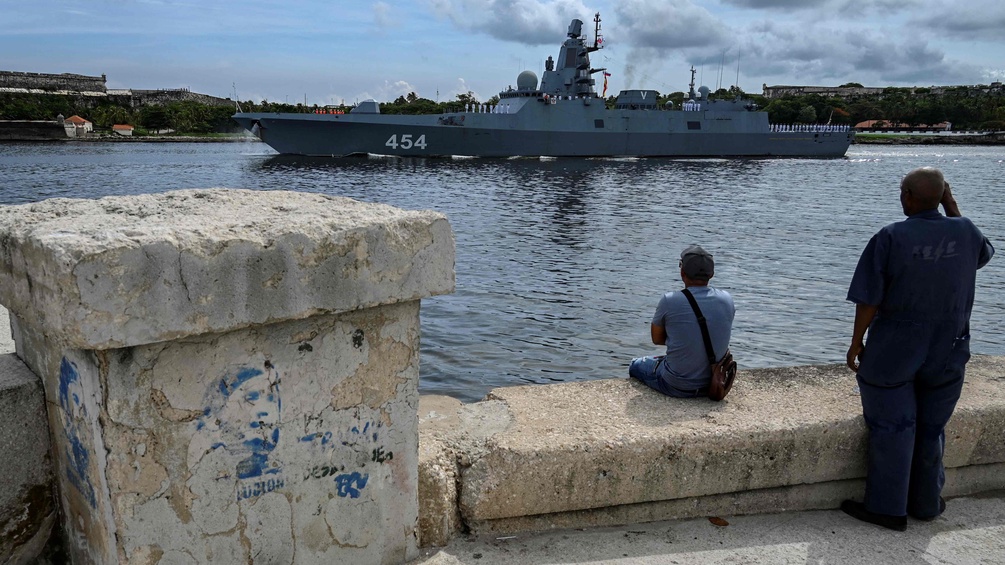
(77, 126)
(122, 129)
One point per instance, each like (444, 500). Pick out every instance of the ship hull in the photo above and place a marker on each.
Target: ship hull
(568, 129)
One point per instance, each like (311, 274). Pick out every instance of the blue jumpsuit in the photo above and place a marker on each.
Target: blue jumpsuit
(921, 273)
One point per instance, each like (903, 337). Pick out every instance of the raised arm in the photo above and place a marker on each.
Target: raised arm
(949, 203)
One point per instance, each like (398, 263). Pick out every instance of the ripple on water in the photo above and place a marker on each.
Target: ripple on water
(560, 262)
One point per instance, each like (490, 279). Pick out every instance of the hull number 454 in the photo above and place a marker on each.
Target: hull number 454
(405, 141)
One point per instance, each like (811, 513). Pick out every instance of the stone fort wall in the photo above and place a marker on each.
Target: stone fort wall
(73, 83)
(44, 81)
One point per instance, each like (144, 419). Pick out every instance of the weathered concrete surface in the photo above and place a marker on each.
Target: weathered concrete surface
(612, 451)
(231, 376)
(27, 506)
(124, 271)
(6, 336)
(971, 532)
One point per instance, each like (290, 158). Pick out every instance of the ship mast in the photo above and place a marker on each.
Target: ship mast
(690, 92)
(598, 39)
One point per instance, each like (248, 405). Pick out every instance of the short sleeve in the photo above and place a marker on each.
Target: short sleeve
(662, 310)
(869, 281)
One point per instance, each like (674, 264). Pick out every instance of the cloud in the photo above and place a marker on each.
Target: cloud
(974, 20)
(463, 88)
(835, 55)
(772, 4)
(832, 7)
(383, 16)
(530, 22)
(673, 24)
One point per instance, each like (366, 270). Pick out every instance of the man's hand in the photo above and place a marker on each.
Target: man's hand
(949, 203)
(853, 354)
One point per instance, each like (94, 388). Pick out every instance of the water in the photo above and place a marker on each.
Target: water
(560, 263)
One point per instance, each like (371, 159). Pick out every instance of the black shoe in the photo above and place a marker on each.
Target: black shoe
(942, 508)
(857, 510)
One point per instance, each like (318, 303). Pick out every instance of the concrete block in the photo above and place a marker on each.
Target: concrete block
(123, 271)
(600, 444)
(27, 506)
(232, 375)
(439, 474)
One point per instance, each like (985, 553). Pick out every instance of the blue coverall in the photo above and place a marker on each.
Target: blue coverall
(921, 273)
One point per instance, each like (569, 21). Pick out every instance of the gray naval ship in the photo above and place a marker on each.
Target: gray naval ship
(562, 117)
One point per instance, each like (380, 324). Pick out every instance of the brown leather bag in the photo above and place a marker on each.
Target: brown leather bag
(723, 372)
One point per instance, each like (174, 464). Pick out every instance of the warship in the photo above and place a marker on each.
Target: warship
(562, 117)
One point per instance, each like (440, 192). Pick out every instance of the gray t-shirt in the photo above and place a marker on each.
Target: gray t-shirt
(686, 365)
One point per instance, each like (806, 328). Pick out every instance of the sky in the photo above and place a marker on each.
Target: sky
(338, 51)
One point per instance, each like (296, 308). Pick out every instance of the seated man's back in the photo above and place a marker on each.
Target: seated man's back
(685, 371)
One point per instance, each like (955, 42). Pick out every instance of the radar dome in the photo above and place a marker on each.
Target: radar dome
(527, 80)
(703, 92)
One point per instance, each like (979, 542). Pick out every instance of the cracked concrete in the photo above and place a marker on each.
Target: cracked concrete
(614, 452)
(225, 383)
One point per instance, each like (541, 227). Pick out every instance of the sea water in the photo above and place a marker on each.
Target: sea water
(560, 262)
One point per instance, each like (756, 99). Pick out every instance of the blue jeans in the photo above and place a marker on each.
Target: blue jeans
(647, 370)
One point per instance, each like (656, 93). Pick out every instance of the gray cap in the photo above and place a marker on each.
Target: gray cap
(697, 263)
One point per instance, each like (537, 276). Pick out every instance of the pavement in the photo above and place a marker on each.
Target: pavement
(971, 531)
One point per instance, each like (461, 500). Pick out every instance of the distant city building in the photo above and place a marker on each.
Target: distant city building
(123, 129)
(77, 126)
(884, 125)
(995, 88)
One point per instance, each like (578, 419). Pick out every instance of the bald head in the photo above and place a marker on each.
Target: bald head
(922, 190)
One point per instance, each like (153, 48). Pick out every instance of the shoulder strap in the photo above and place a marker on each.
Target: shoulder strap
(704, 326)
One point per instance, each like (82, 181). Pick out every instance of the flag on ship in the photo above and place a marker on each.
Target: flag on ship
(606, 74)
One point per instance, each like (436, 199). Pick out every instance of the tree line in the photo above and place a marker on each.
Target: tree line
(966, 108)
(181, 117)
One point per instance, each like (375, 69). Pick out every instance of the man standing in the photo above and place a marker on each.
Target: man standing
(913, 289)
(684, 372)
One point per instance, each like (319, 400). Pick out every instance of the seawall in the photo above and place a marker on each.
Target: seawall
(613, 452)
(156, 334)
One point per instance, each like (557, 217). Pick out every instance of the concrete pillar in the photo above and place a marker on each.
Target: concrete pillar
(231, 375)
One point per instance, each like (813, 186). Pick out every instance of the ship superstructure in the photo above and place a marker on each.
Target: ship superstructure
(563, 116)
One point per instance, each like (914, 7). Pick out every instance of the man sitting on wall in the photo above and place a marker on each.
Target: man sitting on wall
(684, 371)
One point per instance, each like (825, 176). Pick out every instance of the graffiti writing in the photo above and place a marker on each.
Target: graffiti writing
(350, 484)
(322, 471)
(258, 488)
(378, 455)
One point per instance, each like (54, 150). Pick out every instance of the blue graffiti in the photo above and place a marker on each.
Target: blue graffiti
(364, 433)
(243, 413)
(77, 456)
(349, 484)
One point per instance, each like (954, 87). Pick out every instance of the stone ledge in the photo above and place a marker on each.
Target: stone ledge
(580, 454)
(27, 507)
(125, 271)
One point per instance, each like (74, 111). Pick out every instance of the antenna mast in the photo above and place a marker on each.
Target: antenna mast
(598, 39)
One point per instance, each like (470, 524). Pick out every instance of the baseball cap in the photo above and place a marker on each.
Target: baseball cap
(697, 263)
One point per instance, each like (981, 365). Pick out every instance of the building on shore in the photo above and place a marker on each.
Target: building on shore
(123, 129)
(780, 91)
(78, 127)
